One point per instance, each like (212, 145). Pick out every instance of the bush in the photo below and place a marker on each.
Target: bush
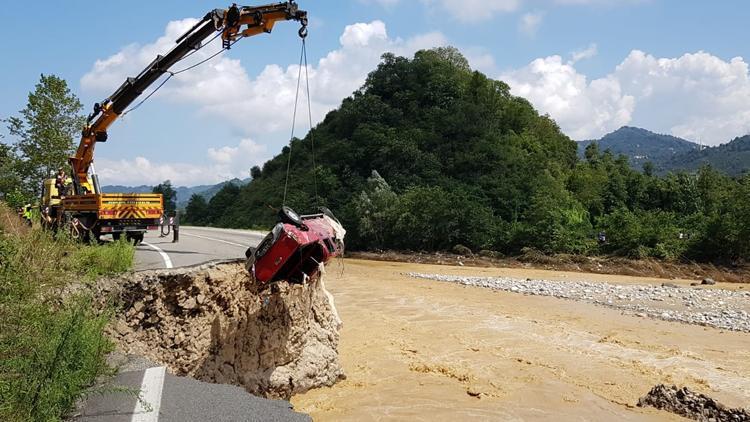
(462, 250)
(644, 234)
(51, 347)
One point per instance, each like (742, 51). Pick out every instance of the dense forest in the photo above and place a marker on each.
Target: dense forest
(732, 158)
(429, 154)
(670, 154)
(641, 145)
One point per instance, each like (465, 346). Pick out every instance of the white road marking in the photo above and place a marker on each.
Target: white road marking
(215, 240)
(164, 256)
(147, 408)
(221, 230)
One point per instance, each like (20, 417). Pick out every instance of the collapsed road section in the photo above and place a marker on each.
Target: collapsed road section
(215, 323)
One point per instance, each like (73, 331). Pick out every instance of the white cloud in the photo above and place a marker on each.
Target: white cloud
(587, 53)
(255, 106)
(530, 22)
(696, 96)
(223, 164)
(261, 104)
(582, 108)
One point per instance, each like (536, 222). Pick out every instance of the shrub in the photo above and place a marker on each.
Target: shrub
(51, 347)
(462, 250)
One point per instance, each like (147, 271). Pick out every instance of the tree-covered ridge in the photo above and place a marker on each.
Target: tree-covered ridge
(429, 154)
(732, 158)
(641, 145)
(669, 154)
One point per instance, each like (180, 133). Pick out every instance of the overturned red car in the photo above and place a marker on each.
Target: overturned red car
(296, 247)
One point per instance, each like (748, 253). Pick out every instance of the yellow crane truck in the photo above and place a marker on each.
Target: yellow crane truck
(84, 209)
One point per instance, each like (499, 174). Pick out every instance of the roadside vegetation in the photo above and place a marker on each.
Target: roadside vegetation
(429, 155)
(52, 345)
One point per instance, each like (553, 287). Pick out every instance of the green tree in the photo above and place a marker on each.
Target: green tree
(45, 131)
(374, 207)
(9, 180)
(556, 221)
(169, 194)
(196, 211)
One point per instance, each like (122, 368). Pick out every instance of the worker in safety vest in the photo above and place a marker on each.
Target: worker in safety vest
(27, 213)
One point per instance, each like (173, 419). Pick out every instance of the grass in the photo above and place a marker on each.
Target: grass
(52, 346)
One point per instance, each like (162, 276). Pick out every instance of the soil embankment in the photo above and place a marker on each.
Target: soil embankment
(216, 324)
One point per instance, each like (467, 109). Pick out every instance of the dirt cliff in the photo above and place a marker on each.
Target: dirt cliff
(216, 324)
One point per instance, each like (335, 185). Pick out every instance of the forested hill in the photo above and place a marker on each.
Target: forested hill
(429, 155)
(641, 145)
(732, 158)
(671, 154)
(451, 139)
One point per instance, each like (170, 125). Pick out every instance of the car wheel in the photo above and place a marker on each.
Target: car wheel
(289, 216)
(263, 246)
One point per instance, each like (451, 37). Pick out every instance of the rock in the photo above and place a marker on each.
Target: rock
(138, 306)
(189, 304)
(462, 250)
(201, 298)
(708, 281)
(695, 284)
(670, 285)
(121, 328)
(691, 405)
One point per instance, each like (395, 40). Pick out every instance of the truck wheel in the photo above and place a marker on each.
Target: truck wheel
(289, 216)
(134, 238)
(116, 236)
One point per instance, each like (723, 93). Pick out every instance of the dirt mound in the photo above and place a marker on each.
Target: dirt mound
(216, 324)
(691, 405)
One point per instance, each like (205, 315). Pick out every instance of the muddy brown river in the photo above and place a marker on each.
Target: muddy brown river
(416, 349)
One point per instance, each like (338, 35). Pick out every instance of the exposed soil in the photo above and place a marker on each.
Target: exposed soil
(216, 324)
(739, 273)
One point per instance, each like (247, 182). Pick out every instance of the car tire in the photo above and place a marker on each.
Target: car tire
(289, 216)
(263, 246)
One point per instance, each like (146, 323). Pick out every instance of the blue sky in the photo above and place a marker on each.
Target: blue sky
(594, 65)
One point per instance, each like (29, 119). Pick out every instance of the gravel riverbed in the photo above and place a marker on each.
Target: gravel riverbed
(724, 309)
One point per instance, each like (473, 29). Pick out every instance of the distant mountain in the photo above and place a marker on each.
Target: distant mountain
(641, 145)
(183, 193)
(732, 158)
(127, 189)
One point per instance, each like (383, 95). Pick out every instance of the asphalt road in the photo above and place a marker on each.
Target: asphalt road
(197, 245)
(165, 397)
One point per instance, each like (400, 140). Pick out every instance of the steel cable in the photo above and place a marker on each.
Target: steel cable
(294, 122)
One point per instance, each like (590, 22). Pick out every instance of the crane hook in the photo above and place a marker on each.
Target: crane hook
(303, 31)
